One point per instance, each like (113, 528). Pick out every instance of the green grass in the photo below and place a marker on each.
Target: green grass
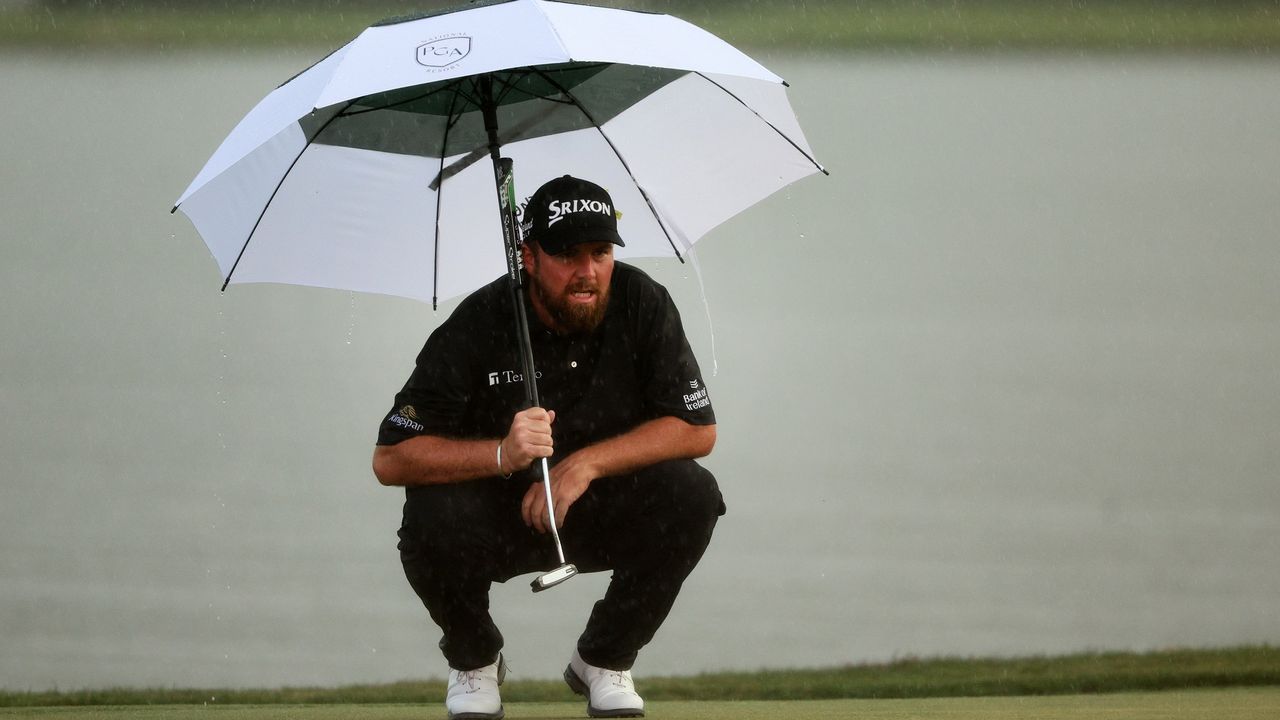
(992, 24)
(1130, 25)
(1239, 704)
(1089, 673)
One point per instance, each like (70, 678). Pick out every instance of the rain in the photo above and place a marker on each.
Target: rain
(1002, 384)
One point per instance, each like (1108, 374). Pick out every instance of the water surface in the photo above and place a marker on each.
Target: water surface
(1004, 383)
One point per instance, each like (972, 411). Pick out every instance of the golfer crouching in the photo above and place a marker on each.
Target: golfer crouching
(625, 412)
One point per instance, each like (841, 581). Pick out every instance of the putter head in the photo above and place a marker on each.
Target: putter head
(551, 578)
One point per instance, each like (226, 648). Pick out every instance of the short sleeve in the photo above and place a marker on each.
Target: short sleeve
(434, 399)
(672, 380)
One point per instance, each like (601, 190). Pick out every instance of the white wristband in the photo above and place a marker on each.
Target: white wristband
(504, 475)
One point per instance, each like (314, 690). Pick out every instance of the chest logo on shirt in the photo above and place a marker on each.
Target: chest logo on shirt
(502, 377)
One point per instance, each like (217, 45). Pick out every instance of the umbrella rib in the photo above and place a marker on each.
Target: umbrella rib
(279, 184)
(450, 86)
(450, 121)
(773, 127)
(510, 86)
(513, 133)
(654, 211)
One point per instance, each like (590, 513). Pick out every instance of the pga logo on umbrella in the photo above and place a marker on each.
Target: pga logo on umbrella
(442, 52)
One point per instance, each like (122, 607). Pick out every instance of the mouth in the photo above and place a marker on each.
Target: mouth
(582, 295)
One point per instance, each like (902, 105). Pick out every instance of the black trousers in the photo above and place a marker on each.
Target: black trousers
(650, 528)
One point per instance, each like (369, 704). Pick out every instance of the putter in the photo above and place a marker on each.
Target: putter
(551, 578)
(504, 176)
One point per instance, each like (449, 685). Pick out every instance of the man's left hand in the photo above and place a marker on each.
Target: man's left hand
(569, 480)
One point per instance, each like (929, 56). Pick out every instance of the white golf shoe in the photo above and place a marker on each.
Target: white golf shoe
(610, 693)
(473, 694)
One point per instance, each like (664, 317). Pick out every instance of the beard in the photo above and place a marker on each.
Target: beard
(574, 318)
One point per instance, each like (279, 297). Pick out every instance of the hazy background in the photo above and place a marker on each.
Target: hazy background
(1004, 383)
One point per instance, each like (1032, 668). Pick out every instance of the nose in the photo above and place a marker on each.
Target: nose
(584, 267)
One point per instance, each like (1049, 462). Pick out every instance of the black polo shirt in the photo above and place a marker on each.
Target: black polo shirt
(636, 366)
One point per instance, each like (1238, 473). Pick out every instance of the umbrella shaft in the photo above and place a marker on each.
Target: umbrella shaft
(505, 184)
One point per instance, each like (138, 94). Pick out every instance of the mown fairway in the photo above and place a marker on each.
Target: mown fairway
(1233, 704)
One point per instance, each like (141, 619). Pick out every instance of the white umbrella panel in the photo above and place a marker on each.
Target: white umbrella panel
(359, 173)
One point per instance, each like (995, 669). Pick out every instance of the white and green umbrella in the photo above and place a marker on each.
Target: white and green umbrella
(360, 173)
(366, 171)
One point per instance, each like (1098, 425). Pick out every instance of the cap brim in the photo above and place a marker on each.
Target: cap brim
(555, 243)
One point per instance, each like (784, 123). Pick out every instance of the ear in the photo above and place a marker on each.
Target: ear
(526, 255)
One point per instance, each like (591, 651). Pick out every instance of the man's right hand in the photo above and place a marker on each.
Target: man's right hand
(528, 439)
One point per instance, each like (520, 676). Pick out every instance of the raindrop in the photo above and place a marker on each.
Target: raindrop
(221, 393)
(351, 317)
(706, 306)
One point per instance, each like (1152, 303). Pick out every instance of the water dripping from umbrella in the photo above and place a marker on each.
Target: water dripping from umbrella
(692, 255)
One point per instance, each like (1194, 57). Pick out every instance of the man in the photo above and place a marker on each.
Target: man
(624, 414)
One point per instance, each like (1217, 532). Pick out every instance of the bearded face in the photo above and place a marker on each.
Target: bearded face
(569, 313)
(570, 291)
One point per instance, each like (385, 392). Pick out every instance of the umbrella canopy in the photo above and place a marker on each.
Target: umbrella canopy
(368, 170)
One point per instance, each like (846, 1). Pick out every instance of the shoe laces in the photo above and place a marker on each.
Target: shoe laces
(470, 678)
(620, 679)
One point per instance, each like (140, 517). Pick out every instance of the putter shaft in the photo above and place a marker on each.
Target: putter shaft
(551, 509)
